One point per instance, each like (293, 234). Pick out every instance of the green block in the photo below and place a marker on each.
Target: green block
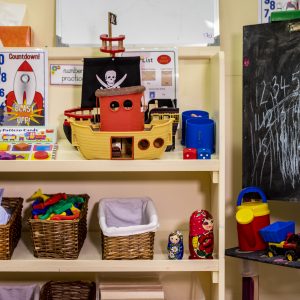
(285, 15)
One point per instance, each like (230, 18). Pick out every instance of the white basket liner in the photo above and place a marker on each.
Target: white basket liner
(124, 216)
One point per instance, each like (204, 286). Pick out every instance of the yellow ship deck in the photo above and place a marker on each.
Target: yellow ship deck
(147, 144)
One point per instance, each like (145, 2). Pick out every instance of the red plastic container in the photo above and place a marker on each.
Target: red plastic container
(251, 217)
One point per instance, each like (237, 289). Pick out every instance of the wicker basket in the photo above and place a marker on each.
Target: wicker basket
(136, 246)
(11, 232)
(59, 239)
(68, 290)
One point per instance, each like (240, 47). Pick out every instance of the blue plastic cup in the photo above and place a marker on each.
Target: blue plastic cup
(200, 133)
(191, 114)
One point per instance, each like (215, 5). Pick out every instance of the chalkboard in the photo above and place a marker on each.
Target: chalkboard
(271, 109)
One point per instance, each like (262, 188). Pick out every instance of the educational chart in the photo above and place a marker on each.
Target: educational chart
(158, 73)
(266, 7)
(23, 88)
(27, 143)
(271, 109)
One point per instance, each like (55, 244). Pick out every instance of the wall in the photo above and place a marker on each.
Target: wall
(274, 282)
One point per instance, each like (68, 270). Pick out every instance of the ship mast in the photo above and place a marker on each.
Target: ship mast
(108, 39)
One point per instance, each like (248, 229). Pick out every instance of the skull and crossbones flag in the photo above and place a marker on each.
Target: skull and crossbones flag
(107, 73)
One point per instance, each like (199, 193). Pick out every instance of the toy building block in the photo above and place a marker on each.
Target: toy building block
(189, 153)
(203, 153)
(4, 146)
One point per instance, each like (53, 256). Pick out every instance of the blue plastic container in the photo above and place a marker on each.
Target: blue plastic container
(200, 133)
(277, 232)
(188, 114)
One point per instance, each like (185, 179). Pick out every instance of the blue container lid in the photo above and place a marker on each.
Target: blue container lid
(195, 113)
(202, 121)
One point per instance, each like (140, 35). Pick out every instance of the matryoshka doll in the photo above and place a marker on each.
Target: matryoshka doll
(201, 237)
(175, 245)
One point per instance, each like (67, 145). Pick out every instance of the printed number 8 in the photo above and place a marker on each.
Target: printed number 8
(3, 77)
(272, 5)
(267, 1)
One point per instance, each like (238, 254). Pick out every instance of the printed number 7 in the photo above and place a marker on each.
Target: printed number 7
(266, 12)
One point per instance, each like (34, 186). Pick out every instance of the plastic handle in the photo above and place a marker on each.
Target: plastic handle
(251, 189)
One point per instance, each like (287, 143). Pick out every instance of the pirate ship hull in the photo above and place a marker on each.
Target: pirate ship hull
(149, 143)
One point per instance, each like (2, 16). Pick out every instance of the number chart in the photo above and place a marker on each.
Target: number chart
(23, 88)
(271, 110)
(266, 7)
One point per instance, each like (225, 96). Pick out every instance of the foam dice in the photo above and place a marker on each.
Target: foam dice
(189, 153)
(203, 153)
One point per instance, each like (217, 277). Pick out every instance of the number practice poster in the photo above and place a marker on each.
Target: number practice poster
(266, 7)
(23, 88)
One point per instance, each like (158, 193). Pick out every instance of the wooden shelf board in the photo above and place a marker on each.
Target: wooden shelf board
(68, 159)
(89, 260)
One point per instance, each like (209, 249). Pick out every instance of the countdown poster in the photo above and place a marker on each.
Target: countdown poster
(23, 88)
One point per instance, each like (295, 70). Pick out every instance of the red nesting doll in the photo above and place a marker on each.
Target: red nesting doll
(201, 237)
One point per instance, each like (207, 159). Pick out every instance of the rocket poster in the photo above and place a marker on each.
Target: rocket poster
(23, 88)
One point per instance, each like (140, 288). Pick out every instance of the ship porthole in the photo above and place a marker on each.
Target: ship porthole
(143, 144)
(127, 104)
(158, 143)
(114, 105)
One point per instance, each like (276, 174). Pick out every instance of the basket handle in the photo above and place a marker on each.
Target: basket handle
(251, 189)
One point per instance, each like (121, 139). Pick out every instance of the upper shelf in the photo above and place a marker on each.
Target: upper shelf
(68, 159)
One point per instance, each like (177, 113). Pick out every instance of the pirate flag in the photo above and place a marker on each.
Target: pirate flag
(107, 73)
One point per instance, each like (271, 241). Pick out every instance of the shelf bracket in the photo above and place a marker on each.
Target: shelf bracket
(215, 277)
(215, 177)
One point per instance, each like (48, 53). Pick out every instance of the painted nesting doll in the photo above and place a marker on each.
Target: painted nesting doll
(201, 237)
(175, 245)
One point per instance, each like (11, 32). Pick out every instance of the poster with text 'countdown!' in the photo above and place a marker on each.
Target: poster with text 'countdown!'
(23, 88)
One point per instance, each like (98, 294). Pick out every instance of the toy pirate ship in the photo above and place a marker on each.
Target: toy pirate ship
(113, 86)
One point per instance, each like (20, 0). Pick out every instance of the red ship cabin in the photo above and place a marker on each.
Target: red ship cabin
(121, 109)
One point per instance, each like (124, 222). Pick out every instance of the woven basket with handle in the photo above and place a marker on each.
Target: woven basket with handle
(68, 290)
(136, 246)
(59, 239)
(11, 232)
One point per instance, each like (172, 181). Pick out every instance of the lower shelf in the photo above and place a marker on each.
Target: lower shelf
(90, 260)
(261, 256)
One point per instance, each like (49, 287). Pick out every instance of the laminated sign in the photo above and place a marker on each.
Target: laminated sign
(23, 88)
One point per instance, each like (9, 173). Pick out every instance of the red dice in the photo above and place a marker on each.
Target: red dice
(189, 153)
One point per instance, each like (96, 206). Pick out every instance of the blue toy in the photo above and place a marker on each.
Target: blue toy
(203, 153)
(175, 245)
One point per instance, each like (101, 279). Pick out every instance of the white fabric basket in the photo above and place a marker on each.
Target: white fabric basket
(127, 216)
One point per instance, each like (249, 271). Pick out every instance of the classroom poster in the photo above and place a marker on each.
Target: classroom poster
(158, 73)
(23, 88)
(266, 7)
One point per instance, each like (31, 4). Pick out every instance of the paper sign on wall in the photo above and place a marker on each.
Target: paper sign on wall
(24, 87)
(158, 72)
(66, 74)
(266, 7)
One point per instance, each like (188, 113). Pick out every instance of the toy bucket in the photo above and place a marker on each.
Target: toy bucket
(200, 133)
(251, 217)
(191, 114)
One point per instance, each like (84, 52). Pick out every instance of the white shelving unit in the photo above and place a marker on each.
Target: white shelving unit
(177, 186)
